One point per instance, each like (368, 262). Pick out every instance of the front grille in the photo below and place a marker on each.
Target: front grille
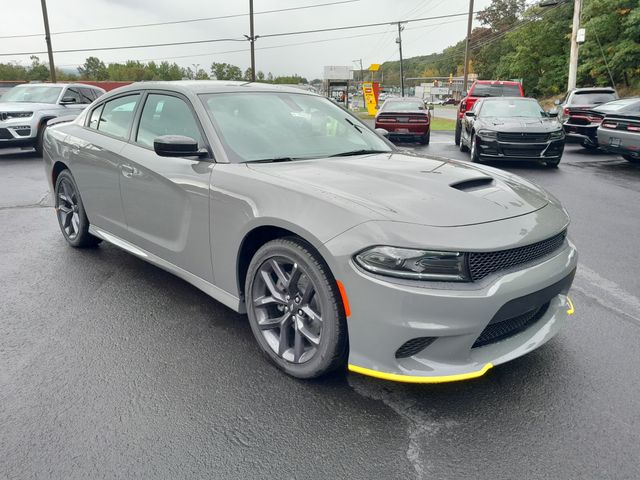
(522, 152)
(523, 137)
(5, 134)
(494, 332)
(414, 346)
(482, 264)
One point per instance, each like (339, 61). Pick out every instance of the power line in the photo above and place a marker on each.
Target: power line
(367, 25)
(175, 22)
(125, 47)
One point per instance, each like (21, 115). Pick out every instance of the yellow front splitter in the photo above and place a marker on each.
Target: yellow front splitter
(395, 377)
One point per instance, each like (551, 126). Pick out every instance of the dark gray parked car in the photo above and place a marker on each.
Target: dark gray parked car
(341, 249)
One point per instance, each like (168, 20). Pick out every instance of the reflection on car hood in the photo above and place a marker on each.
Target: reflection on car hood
(511, 124)
(407, 188)
(25, 106)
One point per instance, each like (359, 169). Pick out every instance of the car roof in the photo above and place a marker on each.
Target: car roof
(594, 89)
(58, 84)
(497, 82)
(496, 99)
(211, 86)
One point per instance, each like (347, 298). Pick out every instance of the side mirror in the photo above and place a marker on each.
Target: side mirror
(382, 132)
(556, 102)
(176, 146)
(67, 100)
(469, 114)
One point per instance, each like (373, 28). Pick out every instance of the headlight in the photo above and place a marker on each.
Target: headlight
(414, 264)
(487, 134)
(19, 114)
(557, 135)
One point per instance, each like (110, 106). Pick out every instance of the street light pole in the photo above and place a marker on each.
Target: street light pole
(252, 39)
(47, 37)
(399, 42)
(466, 47)
(573, 57)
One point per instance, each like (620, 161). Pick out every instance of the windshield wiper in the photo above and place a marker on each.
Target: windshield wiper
(354, 125)
(275, 159)
(358, 152)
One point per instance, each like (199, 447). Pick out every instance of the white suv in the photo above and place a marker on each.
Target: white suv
(26, 109)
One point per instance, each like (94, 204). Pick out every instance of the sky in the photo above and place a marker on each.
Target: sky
(304, 54)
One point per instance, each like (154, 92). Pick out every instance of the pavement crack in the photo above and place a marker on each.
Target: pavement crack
(420, 424)
(43, 202)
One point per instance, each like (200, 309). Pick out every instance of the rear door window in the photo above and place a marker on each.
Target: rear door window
(117, 116)
(592, 97)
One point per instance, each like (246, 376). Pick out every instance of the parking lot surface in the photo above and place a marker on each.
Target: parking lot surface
(113, 368)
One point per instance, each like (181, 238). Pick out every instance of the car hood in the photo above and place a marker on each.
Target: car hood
(406, 188)
(530, 125)
(25, 106)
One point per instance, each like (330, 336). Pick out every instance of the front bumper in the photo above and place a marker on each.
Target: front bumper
(492, 149)
(386, 313)
(16, 133)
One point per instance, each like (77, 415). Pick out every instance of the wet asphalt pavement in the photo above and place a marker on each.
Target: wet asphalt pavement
(113, 368)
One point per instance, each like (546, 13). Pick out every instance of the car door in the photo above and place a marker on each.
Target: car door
(95, 151)
(166, 199)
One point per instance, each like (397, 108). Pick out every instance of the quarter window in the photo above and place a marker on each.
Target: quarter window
(166, 115)
(117, 116)
(95, 117)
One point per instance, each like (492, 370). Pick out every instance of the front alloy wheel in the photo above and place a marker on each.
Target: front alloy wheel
(294, 310)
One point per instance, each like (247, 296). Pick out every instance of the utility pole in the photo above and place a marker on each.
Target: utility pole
(253, 41)
(399, 42)
(573, 57)
(466, 47)
(47, 37)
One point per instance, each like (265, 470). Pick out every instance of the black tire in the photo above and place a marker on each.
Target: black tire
(458, 132)
(589, 145)
(462, 146)
(631, 159)
(279, 334)
(71, 215)
(426, 138)
(474, 149)
(553, 164)
(40, 138)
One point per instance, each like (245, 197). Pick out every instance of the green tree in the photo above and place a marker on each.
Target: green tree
(260, 76)
(38, 71)
(93, 69)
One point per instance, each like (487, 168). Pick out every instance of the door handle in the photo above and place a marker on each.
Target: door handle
(127, 170)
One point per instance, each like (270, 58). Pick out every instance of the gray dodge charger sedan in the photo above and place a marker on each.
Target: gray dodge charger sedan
(342, 250)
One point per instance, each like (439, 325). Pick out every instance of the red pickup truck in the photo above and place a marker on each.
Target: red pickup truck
(485, 88)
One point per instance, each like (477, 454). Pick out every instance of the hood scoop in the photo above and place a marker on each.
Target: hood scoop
(473, 184)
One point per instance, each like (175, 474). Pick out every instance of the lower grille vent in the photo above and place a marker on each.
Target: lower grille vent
(509, 327)
(414, 346)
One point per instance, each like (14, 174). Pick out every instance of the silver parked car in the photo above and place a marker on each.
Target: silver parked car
(26, 109)
(341, 249)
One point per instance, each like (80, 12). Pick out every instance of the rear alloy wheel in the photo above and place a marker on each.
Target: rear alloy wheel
(463, 147)
(72, 218)
(589, 145)
(294, 309)
(631, 159)
(458, 132)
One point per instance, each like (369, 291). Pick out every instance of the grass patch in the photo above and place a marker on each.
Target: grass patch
(446, 124)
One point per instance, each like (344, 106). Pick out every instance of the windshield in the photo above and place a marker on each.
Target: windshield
(592, 98)
(395, 106)
(257, 126)
(495, 90)
(512, 108)
(33, 94)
